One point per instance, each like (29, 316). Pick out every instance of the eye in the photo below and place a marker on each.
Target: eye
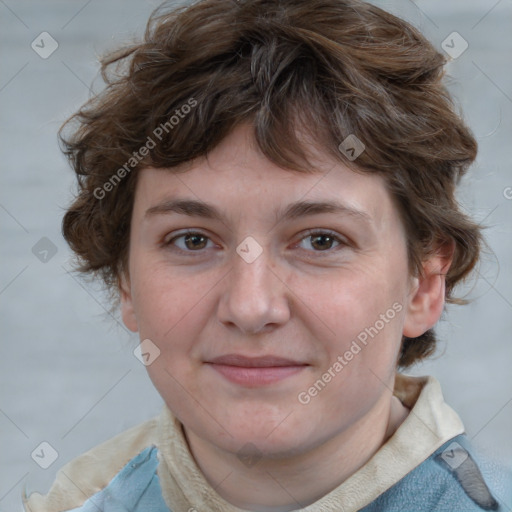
(323, 241)
(191, 241)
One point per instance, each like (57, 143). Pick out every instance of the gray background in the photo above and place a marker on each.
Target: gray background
(68, 374)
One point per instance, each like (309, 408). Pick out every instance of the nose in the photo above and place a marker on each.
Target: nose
(255, 298)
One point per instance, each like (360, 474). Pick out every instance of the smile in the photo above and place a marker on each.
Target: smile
(255, 372)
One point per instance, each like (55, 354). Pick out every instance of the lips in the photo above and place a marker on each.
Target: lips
(254, 362)
(253, 372)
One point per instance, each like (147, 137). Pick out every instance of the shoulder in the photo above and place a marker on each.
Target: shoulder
(93, 471)
(455, 478)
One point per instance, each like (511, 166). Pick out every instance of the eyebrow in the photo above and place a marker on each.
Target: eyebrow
(195, 208)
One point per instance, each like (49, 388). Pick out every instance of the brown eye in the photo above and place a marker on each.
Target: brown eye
(321, 241)
(189, 242)
(195, 241)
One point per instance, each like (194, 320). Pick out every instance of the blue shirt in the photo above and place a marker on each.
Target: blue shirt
(450, 480)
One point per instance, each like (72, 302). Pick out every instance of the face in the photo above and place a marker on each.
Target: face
(278, 323)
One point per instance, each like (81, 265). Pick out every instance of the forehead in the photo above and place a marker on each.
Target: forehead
(237, 179)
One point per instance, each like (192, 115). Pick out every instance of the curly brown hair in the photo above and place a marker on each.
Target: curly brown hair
(329, 67)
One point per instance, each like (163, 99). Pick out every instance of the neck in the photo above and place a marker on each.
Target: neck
(296, 481)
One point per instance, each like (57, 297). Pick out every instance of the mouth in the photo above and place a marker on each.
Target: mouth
(255, 371)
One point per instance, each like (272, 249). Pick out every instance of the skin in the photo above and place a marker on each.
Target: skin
(302, 298)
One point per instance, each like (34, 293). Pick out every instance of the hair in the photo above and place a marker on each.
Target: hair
(321, 69)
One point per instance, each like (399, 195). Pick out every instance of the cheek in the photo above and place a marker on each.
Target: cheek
(361, 356)
(365, 314)
(164, 303)
(176, 382)
(354, 300)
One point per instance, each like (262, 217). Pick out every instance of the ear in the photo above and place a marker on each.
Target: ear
(427, 293)
(127, 309)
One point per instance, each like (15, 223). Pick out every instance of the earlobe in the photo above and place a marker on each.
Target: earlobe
(427, 296)
(127, 309)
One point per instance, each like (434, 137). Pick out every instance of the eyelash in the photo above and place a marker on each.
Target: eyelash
(311, 233)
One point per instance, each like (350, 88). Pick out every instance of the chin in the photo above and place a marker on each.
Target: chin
(281, 448)
(274, 440)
